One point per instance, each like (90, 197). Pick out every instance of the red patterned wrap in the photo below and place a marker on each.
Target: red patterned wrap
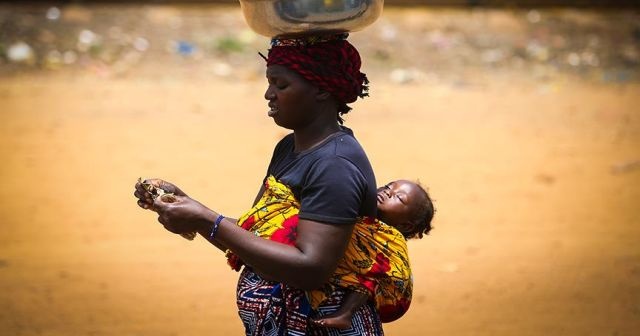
(331, 63)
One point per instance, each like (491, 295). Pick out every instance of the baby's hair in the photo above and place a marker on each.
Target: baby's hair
(424, 215)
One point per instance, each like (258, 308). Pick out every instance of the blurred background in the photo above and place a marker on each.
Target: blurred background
(521, 117)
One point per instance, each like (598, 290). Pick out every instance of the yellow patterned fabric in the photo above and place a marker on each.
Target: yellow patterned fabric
(376, 261)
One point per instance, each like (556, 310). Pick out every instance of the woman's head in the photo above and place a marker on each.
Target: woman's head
(330, 63)
(406, 206)
(289, 94)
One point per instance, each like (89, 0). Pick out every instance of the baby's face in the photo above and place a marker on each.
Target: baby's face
(398, 203)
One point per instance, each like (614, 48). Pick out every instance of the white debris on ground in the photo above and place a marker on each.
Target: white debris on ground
(410, 45)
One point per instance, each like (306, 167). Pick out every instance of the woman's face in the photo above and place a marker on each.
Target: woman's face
(398, 203)
(292, 98)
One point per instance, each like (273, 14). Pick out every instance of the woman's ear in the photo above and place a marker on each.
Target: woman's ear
(323, 95)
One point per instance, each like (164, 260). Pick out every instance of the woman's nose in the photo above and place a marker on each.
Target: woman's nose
(268, 94)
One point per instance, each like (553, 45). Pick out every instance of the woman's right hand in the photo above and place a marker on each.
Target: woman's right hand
(145, 200)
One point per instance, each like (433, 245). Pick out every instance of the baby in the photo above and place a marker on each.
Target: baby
(407, 207)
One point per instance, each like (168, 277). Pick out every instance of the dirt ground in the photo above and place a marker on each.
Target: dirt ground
(536, 184)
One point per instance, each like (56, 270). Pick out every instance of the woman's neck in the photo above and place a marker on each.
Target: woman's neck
(309, 137)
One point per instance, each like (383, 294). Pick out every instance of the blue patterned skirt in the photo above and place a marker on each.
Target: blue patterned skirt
(269, 308)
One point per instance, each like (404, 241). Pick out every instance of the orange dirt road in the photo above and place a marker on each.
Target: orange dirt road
(536, 186)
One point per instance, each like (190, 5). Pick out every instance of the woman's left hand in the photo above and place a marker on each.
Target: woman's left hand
(182, 214)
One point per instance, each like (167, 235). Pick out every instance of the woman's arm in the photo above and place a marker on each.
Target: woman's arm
(307, 265)
(206, 234)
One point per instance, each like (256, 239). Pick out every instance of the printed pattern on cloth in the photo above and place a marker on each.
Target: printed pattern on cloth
(268, 308)
(331, 63)
(305, 41)
(375, 262)
(365, 321)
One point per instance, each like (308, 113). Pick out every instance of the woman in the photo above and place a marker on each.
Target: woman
(311, 82)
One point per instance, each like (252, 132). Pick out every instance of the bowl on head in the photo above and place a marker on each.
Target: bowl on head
(291, 18)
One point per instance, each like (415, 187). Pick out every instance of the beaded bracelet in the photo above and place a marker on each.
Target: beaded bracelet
(214, 228)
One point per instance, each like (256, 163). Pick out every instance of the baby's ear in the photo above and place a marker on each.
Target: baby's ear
(406, 227)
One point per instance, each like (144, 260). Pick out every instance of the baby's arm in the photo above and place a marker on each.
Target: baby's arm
(341, 318)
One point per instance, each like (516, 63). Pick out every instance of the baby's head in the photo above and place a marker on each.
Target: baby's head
(406, 206)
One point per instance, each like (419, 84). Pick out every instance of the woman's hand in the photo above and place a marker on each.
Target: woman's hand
(182, 214)
(145, 199)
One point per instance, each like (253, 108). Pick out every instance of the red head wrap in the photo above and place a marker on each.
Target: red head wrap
(330, 62)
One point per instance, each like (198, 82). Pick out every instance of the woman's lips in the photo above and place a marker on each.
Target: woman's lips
(272, 111)
(380, 197)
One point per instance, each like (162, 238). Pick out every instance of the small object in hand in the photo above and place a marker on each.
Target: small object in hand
(166, 197)
(154, 191)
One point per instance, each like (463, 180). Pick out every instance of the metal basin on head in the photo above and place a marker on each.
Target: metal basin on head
(290, 18)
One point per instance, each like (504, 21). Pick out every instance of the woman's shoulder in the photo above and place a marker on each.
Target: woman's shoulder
(346, 146)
